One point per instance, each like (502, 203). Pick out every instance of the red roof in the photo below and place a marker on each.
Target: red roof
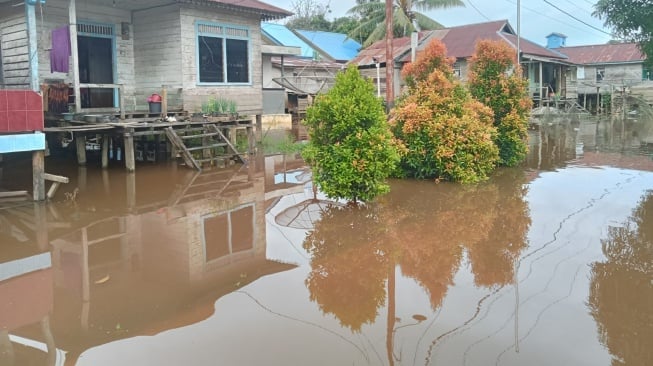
(603, 53)
(460, 42)
(266, 11)
(400, 46)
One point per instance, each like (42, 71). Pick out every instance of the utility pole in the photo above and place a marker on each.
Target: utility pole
(389, 59)
(518, 31)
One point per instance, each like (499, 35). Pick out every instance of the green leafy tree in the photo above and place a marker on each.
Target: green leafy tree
(351, 149)
(310, 15)
(495, 82)
(447, 134)
(629, 19)
(407, 17)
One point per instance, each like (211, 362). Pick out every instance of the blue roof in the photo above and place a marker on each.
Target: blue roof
(336, 45)
(283, 36)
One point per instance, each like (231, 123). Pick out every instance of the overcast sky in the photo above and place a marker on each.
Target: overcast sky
(538, 17)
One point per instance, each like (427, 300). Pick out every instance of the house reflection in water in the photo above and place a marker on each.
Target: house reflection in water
(158, 266)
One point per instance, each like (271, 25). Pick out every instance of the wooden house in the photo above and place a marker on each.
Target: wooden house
(611, 68)
(544, 68)
(121, 52)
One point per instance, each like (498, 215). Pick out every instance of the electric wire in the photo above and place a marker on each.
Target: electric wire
(478, 11)
(575, 18)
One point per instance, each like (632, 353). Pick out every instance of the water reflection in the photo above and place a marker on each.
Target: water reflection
(616, 142)
(116, 269)
(621, 290)
(436, 273)
(426, 232)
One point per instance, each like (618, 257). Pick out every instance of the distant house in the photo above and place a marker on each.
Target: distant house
(336, 47)
(544, 68)
(605, 68)
(311, 70)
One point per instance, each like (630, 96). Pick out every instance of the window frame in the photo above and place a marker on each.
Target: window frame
(222, 32)
(230, 232)
(600, 70)
(647, 73)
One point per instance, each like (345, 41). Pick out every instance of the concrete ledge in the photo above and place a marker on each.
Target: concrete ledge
(22, 142)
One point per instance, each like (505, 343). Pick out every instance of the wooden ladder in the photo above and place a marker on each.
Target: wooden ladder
(212, 140)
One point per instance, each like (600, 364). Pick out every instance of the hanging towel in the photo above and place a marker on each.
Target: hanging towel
(60, 50)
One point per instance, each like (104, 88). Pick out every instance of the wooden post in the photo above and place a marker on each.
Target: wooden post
(82, 178)
(72, 21)
(259, 128)
(122, 102)
(32, 46)
(251, 143)
(164, 101)
(86, 282)
(1, 167)
(599, 108)
(131, 191)
(105, 151)
(130, 161)
(38, 171)
(80, 143)
(40, 218)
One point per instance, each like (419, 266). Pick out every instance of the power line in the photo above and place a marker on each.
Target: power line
(539, 12)
(573, 17)
(478, 11)
(581, 8)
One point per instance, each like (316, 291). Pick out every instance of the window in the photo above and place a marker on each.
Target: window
(600, 73)
(580, 72)
(646, 73)
(228, 233)
(222, 54)
(456, 70)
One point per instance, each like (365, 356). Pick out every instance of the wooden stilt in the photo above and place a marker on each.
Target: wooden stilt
(56, 181)
(81, 178)
(80, 143)
(131, 191)
(259, 128)
(130, 160)
(1, 167)
(40, 218)
(38, 171)
(251, 141)
(105, 151)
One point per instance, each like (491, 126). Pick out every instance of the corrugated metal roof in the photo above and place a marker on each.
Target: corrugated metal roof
(296, 62)
(264, 10)
(282, 36)
(460, 43)
(337, 45)
(603, 53)
(400, 46)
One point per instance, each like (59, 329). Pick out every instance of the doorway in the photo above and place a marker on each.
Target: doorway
(96, 66)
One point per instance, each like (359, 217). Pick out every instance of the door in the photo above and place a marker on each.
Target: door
(95, 46)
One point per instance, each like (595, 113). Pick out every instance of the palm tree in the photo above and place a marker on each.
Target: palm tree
(407, 17)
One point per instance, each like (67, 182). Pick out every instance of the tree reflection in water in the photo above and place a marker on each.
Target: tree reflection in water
(423, 228)
(621, 288)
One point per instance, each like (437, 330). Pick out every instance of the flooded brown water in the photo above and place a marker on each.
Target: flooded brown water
(549, 264)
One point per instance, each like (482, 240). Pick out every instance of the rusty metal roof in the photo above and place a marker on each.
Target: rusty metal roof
(603, 53)
(400, 46)
(460, 43)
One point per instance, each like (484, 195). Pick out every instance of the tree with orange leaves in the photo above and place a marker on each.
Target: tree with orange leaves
(448, 135)
(496, 82)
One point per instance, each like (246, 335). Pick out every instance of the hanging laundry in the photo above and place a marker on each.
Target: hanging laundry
(60, 50)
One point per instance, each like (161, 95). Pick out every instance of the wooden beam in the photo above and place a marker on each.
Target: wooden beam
(32, 47)
(38, 171)
(72, 21)
(11, 194)
(105, 151)
(164, 101)
(56, 178)
(130, 158)
(80, 143)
